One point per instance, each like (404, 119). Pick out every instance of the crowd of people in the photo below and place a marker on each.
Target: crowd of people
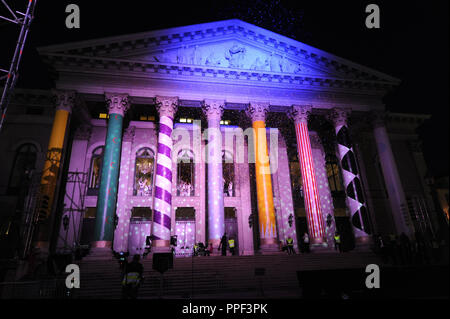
(398, 250)
(304, 244)
(401, 250)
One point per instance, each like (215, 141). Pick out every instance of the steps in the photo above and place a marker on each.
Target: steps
(215, 275)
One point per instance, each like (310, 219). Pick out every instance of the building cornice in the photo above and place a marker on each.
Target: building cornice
(172, 71)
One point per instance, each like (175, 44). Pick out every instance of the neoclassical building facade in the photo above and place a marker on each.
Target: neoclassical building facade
(208, 129)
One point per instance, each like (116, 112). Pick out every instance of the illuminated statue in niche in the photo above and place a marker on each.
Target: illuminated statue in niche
(185, 173)
(228, 174)
(144, 172)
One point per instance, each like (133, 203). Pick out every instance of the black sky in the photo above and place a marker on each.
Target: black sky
(412, 44)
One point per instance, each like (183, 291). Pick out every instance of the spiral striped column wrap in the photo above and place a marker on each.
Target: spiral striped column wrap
(310, 190)
(350, 174)
(162, 202)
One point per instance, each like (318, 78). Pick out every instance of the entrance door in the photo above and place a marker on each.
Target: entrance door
(88, 227)
(231, 227)
(185, 231)
(301, 225)
(140, 228)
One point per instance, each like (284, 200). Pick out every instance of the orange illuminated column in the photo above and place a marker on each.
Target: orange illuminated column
(267, 225)
(64, 101)
(311, 193)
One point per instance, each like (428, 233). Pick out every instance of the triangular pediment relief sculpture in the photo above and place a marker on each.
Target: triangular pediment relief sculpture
(230, 44)
(229, 54)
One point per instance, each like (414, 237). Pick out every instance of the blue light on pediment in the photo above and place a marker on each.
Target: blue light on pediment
(232, 54)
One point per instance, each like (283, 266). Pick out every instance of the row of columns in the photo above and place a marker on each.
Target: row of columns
(118, 104)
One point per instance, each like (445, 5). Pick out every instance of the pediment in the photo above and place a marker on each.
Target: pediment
(229, 44)
(232, 53)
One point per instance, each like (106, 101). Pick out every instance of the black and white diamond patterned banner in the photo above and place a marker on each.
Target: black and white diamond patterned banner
(350, 174)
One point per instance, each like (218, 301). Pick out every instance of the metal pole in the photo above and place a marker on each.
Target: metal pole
(11, 76)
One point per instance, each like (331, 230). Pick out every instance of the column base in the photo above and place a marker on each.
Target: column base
(101, 244)
(269, 246)
(215, 243)
(42, 248)
(100, 250)
(363, 243)
(319, 245)
(161, 246)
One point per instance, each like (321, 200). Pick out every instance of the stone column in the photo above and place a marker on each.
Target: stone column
(213, 110)
(266, 213)
(118, 104)
(356, 202)
(299, 114)
(123, 210)
(397, 199)
(162, 203)
(64, 101)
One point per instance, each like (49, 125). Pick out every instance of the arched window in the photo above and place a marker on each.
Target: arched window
(185, 173)
(334, 177)
(95, 171)
(228, 174)
(143, 172)
(24, 164)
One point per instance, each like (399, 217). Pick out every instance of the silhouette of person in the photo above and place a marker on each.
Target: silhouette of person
(223, 244)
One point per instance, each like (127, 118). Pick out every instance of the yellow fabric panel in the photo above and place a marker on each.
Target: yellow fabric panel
(266, 210)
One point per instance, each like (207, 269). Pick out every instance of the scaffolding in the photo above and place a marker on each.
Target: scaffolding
(10, 75)
(74, 196)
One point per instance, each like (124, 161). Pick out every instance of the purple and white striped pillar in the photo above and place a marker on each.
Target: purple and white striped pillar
(162, 202)
(213, 110)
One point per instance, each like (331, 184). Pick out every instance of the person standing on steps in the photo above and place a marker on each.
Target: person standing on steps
(337, 242)
(290, 245)
(132, 278)
(231, 245)
(306, 242)
(223, 244)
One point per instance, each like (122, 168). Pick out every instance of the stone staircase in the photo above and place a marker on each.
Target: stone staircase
(216, 276)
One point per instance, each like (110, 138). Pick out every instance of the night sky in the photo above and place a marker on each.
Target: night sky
(412, 43)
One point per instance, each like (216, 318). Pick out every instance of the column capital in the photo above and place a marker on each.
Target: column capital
(64, 99)
(300, 113)
(117, 103)
(213, 109)
(257, 111)
(378, 118)
(339, 116)
(167, 105)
